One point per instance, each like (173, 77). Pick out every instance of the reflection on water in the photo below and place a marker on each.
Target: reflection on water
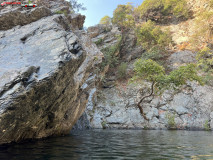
(116, 144)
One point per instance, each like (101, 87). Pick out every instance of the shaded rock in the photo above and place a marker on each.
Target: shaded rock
(16, 17)
(76, 21)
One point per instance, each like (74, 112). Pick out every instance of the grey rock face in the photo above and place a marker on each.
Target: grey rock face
(180, 58)
(106, 35)
(43, 66)
(116, 107)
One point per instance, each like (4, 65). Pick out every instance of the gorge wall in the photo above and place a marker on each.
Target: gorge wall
(115, 103)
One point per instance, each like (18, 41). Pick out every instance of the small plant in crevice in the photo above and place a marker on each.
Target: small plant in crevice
(208, 78)
(171, 120)
(104, 124)
(101, 96)
(122, 70)
(62, 12)
(99, 42)
(112, 103)
(207, 126)
(155, 53)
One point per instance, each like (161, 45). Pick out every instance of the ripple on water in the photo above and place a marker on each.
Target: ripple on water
(116, 144)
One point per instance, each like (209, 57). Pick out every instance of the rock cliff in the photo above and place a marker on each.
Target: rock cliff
(45, 62)
(115, 105)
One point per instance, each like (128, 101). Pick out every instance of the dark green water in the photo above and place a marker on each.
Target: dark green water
(116, 144)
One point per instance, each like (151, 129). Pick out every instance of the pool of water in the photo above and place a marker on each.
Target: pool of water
(115, 144)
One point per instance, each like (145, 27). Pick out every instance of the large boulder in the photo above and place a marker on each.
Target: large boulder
(43, 66)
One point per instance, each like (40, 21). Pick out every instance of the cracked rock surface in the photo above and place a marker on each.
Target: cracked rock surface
(42, 68)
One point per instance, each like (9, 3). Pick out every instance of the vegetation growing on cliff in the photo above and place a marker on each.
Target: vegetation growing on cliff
(203, 32)
(151, 71)
(105, 20)
(176, 7)
(150, 35)
(110, 56)
(122, 16)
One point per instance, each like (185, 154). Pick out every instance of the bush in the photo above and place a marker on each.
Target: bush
(176, 7)
(99, 42)
(109, 55)
(150, 35)
(105, 20)
(122, 70)
(208, 78)
(205, 59)
(171, 120)
(151, 71)
(155, 53)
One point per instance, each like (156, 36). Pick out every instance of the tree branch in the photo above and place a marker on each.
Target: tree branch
(142, 99)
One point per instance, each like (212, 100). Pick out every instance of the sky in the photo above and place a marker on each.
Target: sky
(96, 9)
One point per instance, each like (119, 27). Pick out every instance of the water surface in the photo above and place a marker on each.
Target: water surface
(115, 144)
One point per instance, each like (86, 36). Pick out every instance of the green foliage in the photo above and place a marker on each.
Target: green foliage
(109, 55)
(148, 70)
(151, 71)
(122, 15)
(155, 53)
(122, 70)
(104, 124)
(105, 20)
(150, 35)
(99, 42)
(176, 7)
(205, 59)
(62, 12)
(171, 120)
(75, 5)
(206, 125)
(208, 78)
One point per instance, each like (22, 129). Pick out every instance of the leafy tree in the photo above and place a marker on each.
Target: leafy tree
(77, 6)
(122, 15)
(105, 20)
(152, 72)
(150, 35)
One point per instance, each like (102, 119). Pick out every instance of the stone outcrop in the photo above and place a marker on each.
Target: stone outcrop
(44, 67)
(17, 16)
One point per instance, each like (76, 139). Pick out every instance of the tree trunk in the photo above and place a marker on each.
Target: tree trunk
(142, 99)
